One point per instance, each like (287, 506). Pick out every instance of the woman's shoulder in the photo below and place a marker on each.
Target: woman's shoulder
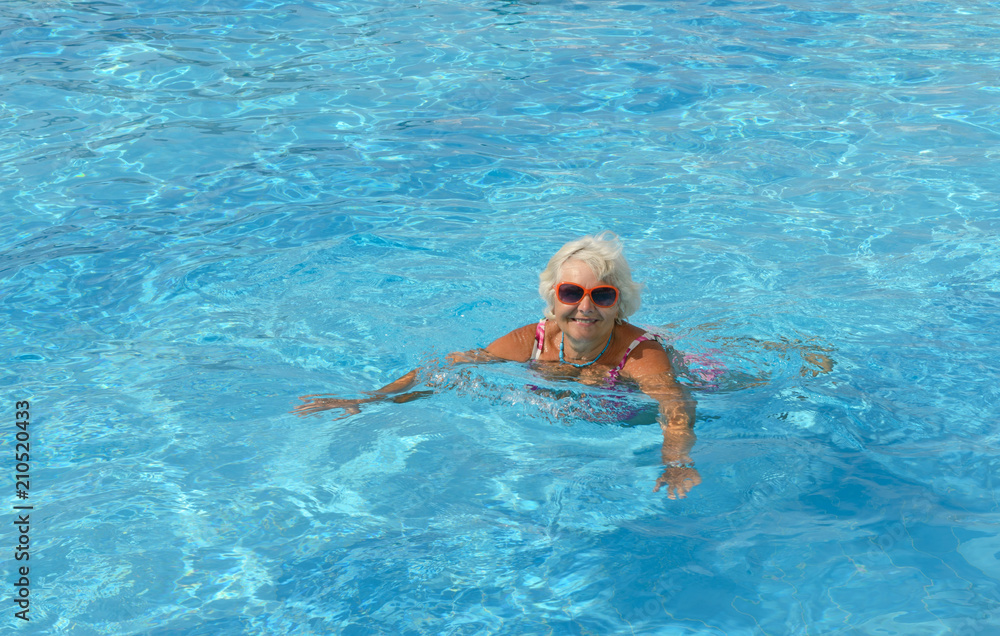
(646, 353)
(630, 332)
(516, 345)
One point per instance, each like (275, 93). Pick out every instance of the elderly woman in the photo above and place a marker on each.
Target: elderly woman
(589, 292)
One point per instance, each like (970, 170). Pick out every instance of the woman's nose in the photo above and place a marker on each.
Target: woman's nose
(586, 305)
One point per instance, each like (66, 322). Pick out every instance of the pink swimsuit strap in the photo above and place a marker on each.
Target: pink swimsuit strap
(539, 340)
(613, 374)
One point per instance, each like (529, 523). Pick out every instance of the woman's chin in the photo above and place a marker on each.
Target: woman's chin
(584, 330)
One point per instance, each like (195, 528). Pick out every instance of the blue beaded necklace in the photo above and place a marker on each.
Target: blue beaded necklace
(562, 343)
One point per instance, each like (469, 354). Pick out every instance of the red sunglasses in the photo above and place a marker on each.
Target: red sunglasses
(604, 296)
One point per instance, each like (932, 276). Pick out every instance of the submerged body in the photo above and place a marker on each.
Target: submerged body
(584, 337)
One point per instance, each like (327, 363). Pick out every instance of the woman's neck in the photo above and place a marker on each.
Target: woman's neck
(585, 350)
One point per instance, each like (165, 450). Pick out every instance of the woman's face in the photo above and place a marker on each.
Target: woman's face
(585, 321)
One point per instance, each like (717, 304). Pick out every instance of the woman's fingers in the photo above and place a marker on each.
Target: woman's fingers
(677, 486)
(307, 409)
(316, 406)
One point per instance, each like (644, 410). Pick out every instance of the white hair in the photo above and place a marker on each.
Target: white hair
(603, 254)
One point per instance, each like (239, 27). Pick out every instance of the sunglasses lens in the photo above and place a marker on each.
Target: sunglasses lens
(604, 296)
(570, 294)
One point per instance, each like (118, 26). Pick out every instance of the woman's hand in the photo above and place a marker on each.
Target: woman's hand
(315, 404)
(351, 407)
(679, 473)
(679, 480)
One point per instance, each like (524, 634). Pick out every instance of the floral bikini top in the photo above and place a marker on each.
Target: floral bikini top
(539, 346)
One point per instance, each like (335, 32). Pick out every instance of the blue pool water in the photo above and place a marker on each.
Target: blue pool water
(211, 208)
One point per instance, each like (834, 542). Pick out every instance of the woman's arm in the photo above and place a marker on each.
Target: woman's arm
(318, 403)
(649, 366)
(509, 347)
